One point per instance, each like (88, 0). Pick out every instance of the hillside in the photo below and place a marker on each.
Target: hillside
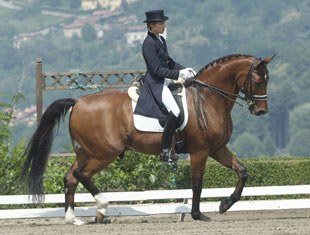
(197, 33)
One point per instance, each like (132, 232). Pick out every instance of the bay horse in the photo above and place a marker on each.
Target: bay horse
(101, 129)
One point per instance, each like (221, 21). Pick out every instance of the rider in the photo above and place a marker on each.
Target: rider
(160, 66)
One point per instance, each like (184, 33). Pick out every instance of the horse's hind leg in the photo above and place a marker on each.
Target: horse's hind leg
(84, 174)
(226, 158)
(71, 183)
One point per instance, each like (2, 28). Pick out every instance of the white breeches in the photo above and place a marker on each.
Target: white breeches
(169, 101)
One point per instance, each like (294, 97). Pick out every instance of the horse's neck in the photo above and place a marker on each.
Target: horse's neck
(224, 77)
(221, 74)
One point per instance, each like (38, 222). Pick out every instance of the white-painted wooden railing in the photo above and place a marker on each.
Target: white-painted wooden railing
(142, 205)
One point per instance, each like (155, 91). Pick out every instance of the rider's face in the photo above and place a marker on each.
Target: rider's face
(158, 27)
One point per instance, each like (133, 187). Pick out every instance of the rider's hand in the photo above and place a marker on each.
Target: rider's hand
(185, 74)
(192, 71)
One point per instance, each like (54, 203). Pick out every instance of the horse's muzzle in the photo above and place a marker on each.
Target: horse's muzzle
(257, 110)
(260, 112)
(259, 105)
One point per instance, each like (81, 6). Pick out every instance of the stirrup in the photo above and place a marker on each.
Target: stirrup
(168, 155)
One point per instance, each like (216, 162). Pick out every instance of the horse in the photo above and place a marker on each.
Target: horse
(101, 129)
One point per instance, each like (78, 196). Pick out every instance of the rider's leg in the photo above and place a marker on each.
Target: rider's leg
(167, 154)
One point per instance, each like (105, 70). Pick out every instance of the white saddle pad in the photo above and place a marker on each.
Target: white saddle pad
(149, 124)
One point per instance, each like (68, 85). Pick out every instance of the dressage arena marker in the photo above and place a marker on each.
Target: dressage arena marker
(160, 208)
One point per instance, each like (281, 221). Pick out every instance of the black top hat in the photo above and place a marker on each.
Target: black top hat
(155, 16)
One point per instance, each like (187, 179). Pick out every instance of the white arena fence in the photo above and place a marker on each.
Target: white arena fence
(145, 202)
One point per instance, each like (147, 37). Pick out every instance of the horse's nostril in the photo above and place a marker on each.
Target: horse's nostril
(261, 112)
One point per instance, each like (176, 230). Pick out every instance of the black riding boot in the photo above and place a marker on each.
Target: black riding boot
(167, 153)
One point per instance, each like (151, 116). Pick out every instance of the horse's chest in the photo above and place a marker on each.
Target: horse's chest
(220, 132)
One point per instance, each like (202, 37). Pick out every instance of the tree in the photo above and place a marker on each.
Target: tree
(75, 4)
(269, 147)
(247, 145)
(299, 123)
(10, 57)
(88, 33)
(5, 118)
(10, 155)
(299, 143)
(7, 31)
(53, 3)
(124, 5)
(300, 118)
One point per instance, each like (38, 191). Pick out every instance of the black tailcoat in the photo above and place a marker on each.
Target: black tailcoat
(159, 66)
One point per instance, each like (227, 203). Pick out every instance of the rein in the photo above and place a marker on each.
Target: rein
(221, 92)
(248, 97)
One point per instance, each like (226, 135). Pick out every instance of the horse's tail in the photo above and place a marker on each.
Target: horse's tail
(39, 147)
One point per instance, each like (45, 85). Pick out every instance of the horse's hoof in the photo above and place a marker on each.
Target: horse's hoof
(75, 221)
(105, 220)
(71, 219)
(201, 217)
(102, 219)
(99, 217)
(225, 205)
(204, 218)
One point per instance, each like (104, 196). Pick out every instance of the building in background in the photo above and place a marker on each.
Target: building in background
(137, 34)
(106, 4)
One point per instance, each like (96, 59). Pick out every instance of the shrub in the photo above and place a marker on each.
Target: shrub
(132, 173)
(137, 172)
(142, 172)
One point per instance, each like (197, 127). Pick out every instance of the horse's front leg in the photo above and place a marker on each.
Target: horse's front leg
(226, 158)
(198, 165)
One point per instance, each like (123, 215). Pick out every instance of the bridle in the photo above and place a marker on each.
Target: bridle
(247, 90)
(248, 97)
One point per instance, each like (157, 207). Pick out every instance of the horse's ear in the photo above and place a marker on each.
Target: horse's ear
(268, 59)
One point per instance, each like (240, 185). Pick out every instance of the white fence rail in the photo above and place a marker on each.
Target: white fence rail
(147, 208)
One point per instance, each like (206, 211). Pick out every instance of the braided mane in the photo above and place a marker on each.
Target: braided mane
(217, 61)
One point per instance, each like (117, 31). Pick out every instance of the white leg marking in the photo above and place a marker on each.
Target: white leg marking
(71, 219)
(102, 203)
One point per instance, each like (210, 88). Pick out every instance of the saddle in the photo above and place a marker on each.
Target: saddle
(144, 123)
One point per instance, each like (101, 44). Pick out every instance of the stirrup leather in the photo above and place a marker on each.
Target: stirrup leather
(168, 155)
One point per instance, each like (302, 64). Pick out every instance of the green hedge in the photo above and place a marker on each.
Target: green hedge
(261, 171)
(10, 168)
(141, 172)
(132, 173)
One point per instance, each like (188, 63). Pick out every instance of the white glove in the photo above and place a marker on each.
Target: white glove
(185, 74)
(192, 71)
